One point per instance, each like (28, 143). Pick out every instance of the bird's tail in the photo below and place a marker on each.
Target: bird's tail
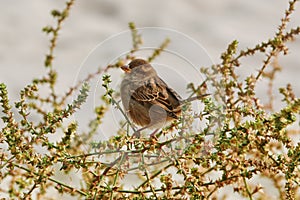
(193, 98)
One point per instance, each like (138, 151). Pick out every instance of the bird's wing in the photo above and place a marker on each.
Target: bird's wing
(156, 91)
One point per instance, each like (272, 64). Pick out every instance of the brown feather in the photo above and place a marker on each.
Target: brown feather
(146, 98)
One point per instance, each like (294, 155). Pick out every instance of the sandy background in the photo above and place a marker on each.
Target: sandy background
(213, 24)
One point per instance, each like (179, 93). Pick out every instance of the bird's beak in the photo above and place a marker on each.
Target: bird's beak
(126, 69)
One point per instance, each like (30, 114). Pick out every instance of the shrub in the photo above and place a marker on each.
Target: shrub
(250, 141)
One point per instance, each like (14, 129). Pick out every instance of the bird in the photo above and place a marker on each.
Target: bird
(147, 99)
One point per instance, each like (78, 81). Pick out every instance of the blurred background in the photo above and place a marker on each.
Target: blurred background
(213, 24)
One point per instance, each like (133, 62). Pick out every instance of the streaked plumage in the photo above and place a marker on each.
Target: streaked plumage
(147, 99)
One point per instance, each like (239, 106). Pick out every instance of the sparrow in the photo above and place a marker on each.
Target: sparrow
(147, 99)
